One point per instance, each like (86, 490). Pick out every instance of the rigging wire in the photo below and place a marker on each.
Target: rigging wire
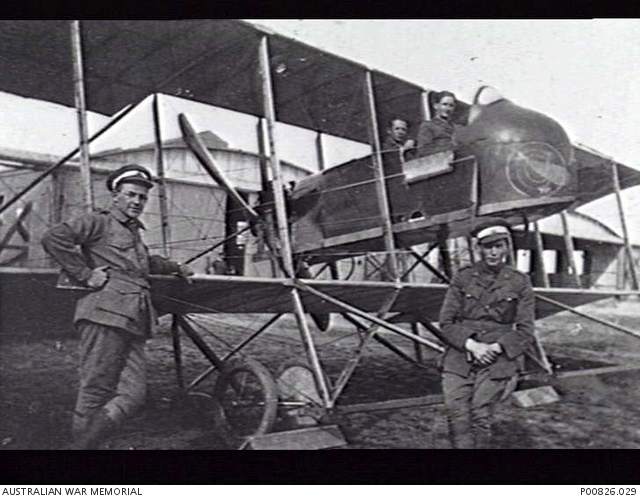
(273, 337)
(182, 218)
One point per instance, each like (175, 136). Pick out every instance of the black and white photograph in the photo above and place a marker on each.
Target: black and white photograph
(310, 234)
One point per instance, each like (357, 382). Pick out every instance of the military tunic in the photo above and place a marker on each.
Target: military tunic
(391, 144)
(489, 308)
(109, 239)
(434, 136)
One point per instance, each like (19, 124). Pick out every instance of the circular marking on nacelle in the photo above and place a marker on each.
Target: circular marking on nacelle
(537, 169)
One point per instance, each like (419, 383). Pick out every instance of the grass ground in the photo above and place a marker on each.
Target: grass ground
(38, 380)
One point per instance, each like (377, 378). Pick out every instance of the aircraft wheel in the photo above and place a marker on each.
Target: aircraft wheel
(300, 399)
(246, 400)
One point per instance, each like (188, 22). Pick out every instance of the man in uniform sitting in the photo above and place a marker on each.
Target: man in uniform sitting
(487, 320)
(104, 252)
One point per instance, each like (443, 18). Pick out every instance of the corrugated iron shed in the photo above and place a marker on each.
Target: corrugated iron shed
(581, 226)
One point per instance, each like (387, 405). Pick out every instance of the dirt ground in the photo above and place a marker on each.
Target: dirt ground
(38, 378)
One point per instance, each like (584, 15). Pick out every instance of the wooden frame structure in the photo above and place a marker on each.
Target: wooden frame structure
(266, 61)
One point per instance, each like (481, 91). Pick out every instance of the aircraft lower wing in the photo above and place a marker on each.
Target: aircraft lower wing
(231, 294)
(30, 303)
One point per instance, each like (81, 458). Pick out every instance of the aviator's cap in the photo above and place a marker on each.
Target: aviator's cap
(489, 231)
(129, 173)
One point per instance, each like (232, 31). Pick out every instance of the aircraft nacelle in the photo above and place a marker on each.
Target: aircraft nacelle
(507, 162)
(524, 157)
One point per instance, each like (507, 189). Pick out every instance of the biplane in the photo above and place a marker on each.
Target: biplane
(507, 162)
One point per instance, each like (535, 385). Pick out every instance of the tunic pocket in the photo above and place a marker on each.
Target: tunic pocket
(472, 292)
(121, 240)
(121, 246)
(505, 307)
(121, 298)
(472, 300)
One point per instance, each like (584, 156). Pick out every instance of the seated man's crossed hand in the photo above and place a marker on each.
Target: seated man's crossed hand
(483, 353)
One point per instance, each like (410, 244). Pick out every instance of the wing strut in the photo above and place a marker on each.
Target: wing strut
(386, 343)
(623, 223)
(381, 188)
(281, 218)
(588, 316)
(364, 315)
(81, 110)
(349, 369)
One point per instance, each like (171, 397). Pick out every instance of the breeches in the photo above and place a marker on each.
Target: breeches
(469, 403)
(112, 373)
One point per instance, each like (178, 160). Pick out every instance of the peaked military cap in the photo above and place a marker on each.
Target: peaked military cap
(129, 173)
(491, 230)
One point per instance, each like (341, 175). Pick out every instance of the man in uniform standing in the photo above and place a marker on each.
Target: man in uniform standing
(104, 252)
(487, 321)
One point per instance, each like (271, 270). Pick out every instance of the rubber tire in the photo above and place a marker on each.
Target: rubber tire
(288, 364)
(314, 412)
(225, 422)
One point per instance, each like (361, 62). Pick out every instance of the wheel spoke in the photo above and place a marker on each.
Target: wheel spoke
(247, 399)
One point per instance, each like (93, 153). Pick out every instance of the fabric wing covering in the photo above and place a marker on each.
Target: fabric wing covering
(253, 295)
(217, 62)
(211, 61)
(595, 176)
(24, 291)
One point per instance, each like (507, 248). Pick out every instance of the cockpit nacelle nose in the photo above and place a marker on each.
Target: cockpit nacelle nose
(524, 157)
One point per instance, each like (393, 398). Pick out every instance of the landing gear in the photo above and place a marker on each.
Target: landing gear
(245, 401)
(300, 401)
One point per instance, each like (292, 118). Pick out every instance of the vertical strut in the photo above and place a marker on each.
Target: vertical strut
(281, 218)
(177, 350)
(568, 243)
(320, 152)
(539, 254)
(266, 208)
(623, 223)
(81, 108)
(274, 163)
(162, 186)
(381, 189)
(309, 345)
(472, 254)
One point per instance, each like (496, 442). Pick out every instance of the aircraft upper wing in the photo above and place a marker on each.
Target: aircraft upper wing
(215, 62)
(210, 61)
(30, 304)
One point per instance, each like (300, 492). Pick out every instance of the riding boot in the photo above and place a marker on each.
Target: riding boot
(100, 426)
(461, 436)
(484, 438)
(482, 427)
